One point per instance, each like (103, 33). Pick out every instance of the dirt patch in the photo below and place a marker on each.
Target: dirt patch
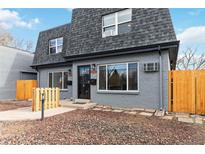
(98, 127)
(10, 105)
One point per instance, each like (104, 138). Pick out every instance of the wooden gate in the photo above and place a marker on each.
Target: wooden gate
(187, 91)
(24, 89)
(51, 98)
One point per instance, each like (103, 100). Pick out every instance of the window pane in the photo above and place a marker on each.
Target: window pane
(65, 80)
(109, 31)
(124, 16)
(109, 20)
(59, 49)
(117, 77)
(50, 80)
(102, 77)
(52, 50)
(132, 76)
(124, 28)
(59, 41)
(57, 80)
(52, 43)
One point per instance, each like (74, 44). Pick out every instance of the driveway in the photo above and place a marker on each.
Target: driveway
(101, 127)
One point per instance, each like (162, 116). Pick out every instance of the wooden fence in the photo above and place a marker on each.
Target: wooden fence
(187, 91)
(24, 89)
(51, 95)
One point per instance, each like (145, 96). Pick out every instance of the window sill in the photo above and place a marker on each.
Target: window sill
(119, 92)
(53, 54)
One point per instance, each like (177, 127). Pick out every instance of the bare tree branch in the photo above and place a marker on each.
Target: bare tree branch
(191, 60)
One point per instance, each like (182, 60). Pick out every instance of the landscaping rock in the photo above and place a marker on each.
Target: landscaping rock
(159, 113)
(89, 127)
(97, 109)
(131, 112)
(182, 115)
(137, 109)
(146, 114)
(168, 117)
(185, 119)
(117, 110)
(198, 120)
(107, 109)
(150, 110)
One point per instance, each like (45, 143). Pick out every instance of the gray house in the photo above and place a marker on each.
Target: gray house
(14, 65)
(118, 57)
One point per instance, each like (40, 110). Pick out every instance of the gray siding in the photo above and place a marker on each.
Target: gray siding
(148, 95)
(43, 80)
(12, 62)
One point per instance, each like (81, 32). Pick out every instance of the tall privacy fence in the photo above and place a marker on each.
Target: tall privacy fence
(24, 89)
(51, 98)
(187, 91)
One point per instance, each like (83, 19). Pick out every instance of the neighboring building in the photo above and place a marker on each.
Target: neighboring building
(119, 57)
(14, 65)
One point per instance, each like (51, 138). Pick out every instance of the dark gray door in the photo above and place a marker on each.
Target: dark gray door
(84, 82)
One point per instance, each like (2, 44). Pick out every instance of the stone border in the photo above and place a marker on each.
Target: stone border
(182, 117)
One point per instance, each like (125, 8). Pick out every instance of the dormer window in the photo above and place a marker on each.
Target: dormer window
(117, 23)
(56, 45)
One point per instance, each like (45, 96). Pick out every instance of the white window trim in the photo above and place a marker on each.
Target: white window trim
(116, 91)
(56, 45)
(62, 72)
(116, 23)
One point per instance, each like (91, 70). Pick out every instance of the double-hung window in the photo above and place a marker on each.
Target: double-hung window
(55, 45)
(118, 77)
(117, 23)
(58, 79)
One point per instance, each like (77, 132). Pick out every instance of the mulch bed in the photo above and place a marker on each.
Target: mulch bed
(10, 105)
(98, 127)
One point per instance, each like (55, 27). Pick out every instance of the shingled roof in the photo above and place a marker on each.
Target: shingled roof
(84, 34)
(42, 48)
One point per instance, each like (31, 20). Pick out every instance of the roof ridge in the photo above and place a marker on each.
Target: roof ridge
(56, 27)
(22, 50)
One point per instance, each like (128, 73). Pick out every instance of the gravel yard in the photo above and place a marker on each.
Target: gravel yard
(10, 105)
(98, 127)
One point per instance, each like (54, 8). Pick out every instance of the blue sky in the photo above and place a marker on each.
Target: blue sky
(25, 24)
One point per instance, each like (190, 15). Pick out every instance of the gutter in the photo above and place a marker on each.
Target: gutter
(160, 79)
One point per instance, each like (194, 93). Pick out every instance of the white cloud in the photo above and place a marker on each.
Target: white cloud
(10, 19)
(192, 36)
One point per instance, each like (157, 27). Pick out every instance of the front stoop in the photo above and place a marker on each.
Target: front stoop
(146, 114)
(82, 101)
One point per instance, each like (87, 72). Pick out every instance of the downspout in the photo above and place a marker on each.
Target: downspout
(38, 77)
(160, 79)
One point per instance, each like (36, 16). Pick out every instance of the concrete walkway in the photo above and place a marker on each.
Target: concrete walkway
(26, 113)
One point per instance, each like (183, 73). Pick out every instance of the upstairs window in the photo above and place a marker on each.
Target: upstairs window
(55, 45)
(117, 23)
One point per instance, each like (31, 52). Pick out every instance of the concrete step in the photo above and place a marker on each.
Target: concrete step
(71, 104)
(82, 101)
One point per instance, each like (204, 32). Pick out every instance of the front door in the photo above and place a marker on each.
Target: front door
(84, 82)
